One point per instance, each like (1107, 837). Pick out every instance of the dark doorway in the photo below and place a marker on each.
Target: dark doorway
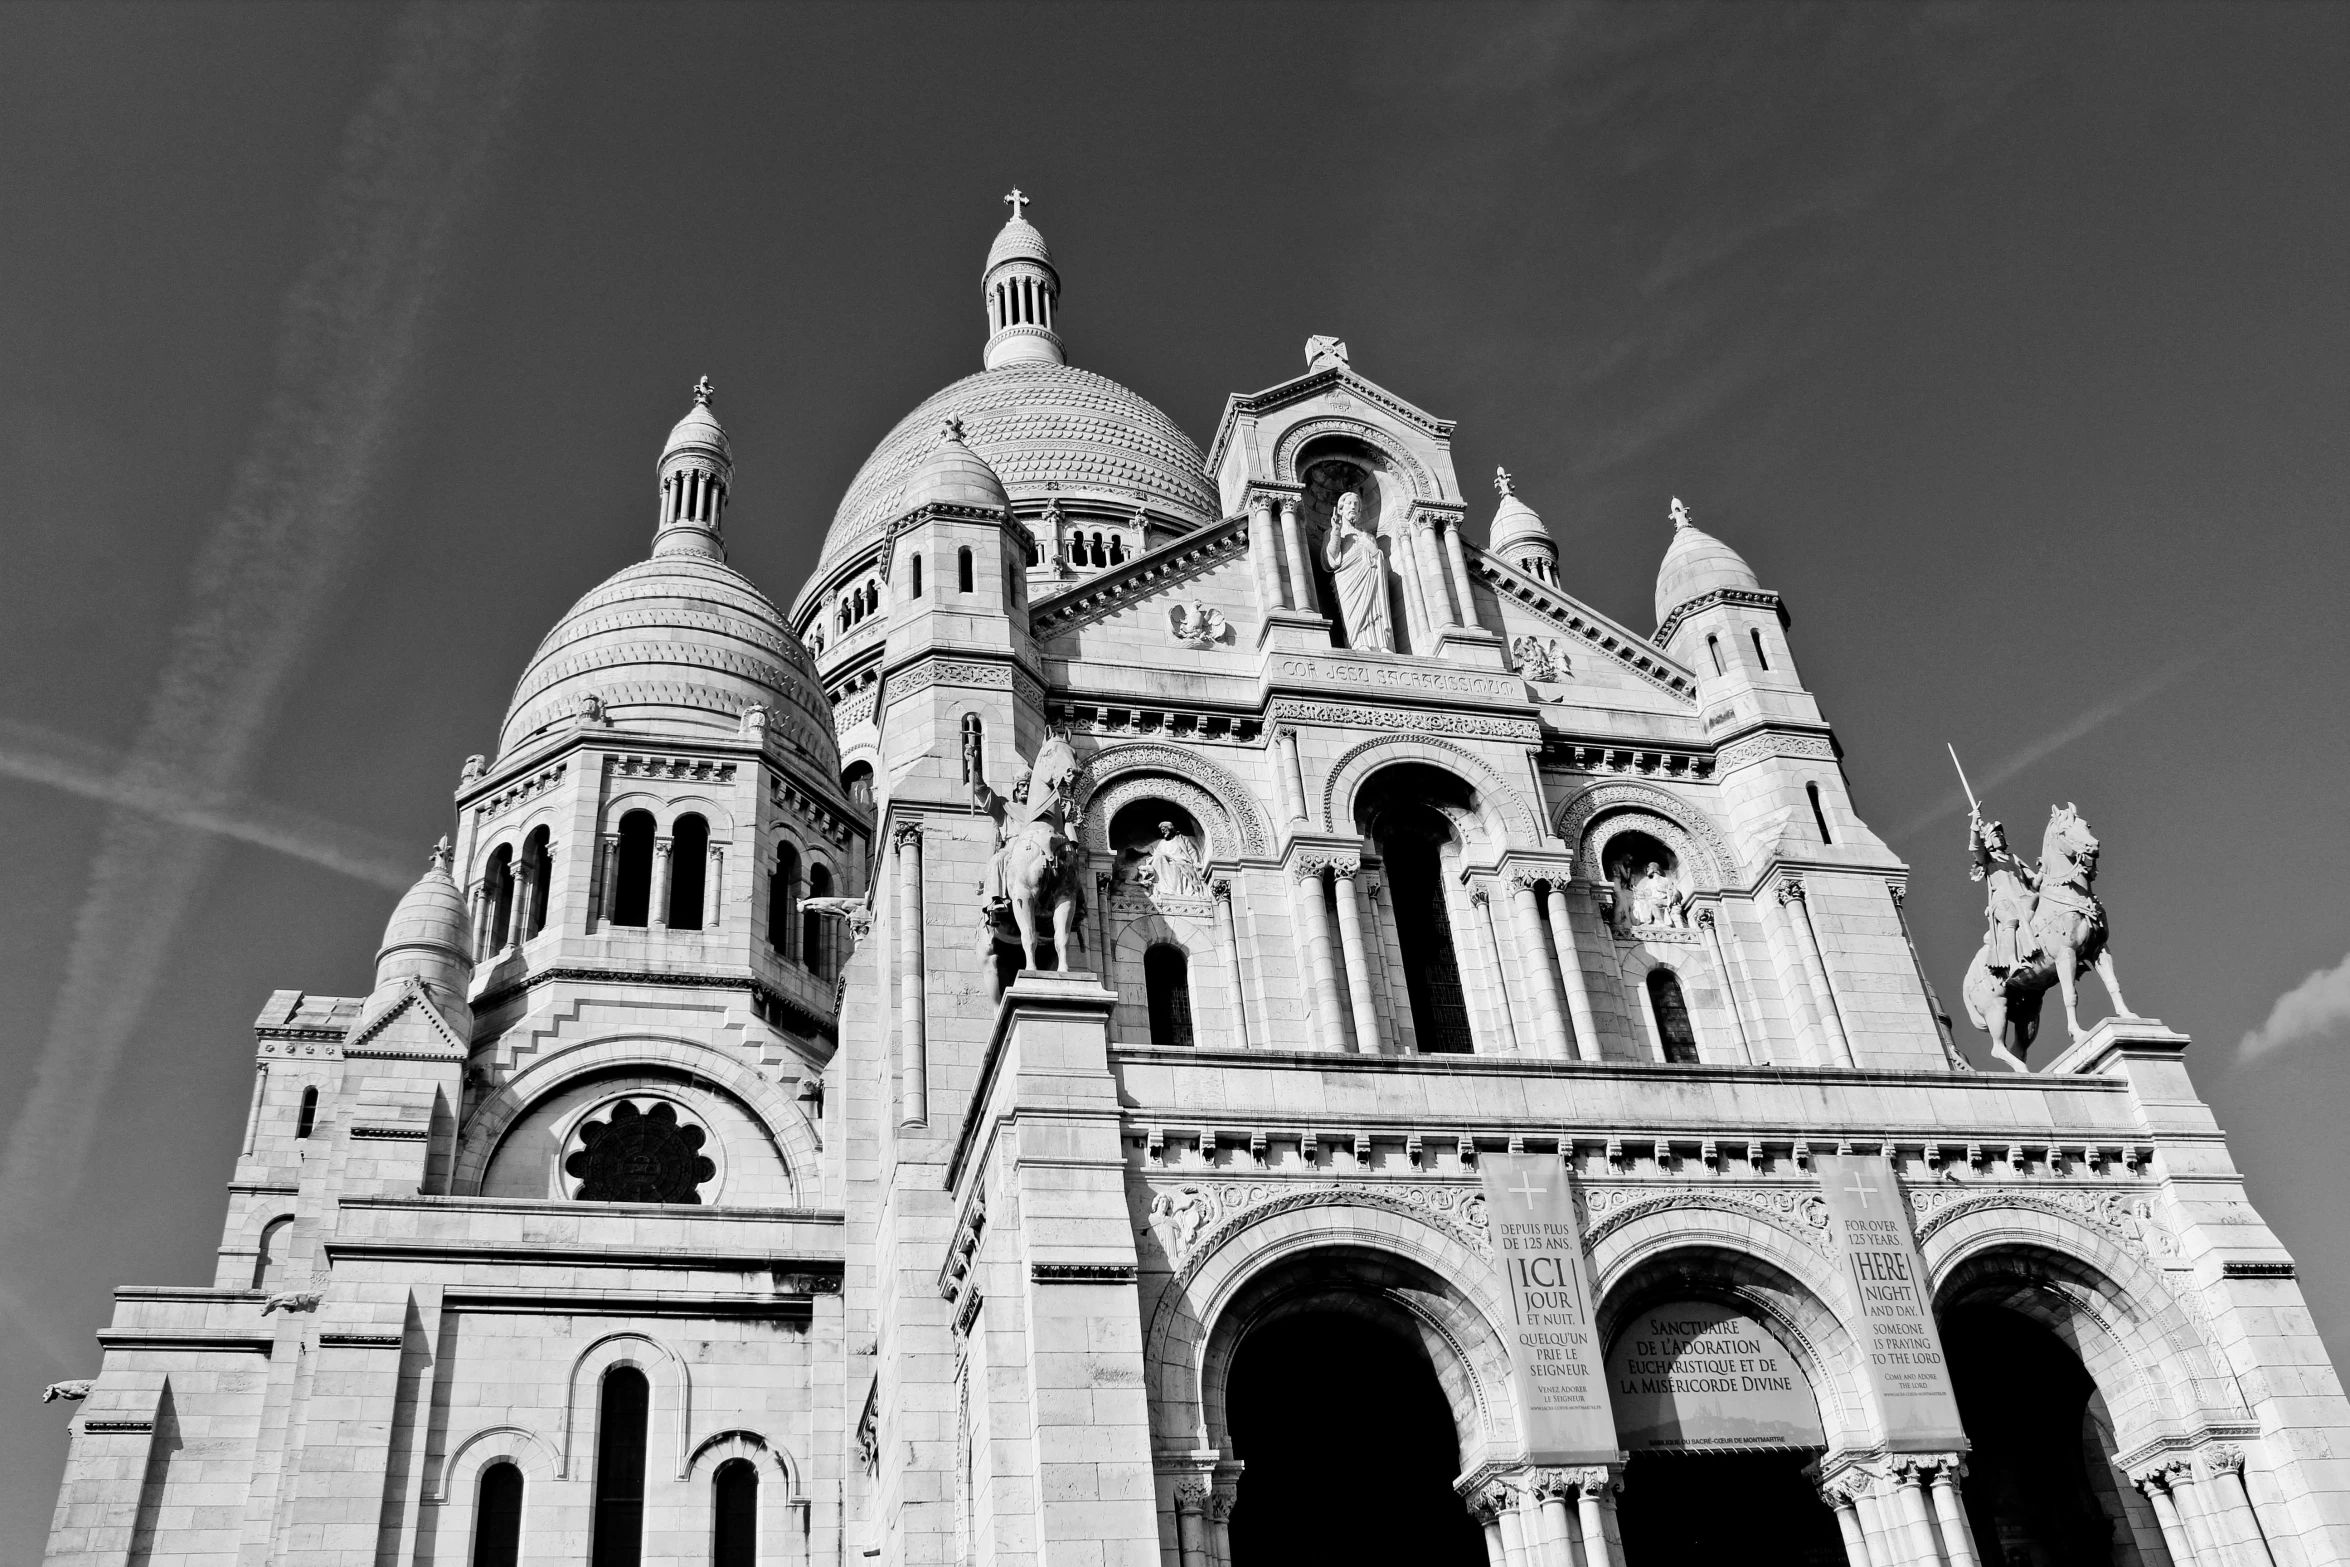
(1350, 1450)
(1705, 1509)
(2024, 1399)
(1423, 925)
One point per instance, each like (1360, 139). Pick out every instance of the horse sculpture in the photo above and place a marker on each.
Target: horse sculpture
(1038, 872)
(2064, 936)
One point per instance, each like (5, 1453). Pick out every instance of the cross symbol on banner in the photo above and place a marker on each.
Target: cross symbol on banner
(1526, 1188)
(1862, 1190)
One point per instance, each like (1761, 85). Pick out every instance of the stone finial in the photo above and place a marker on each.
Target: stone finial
(1016, 201)
(703, 392)
(951, 428)
(442, 856)
(1324, 353)
(1502, 483)
(1680, 515)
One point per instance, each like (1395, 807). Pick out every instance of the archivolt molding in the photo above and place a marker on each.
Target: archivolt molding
(1508, 811)
(1214, 820)
(672, 1389)
(1306, 431)
(716, 1449)
(528, 1451)
(768, 1104)
(1692, 835)
(2127, 1217)
(1800, 1215)
(1235, 804)
(1192, 1219)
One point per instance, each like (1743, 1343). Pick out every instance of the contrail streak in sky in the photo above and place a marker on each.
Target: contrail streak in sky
(1955, 803)
(278, 551)
(61, 762)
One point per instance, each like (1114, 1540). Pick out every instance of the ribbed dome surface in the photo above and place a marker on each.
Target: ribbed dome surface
(678, 644)
(426, 935)
(1017, 240)
(1514, 524)
(1036, 425)
(1697, 563)
(699, 428)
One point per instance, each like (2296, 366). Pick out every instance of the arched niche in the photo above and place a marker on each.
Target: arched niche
(1424, 825)
(1593, 818)
(1219, 801)
(1504, 817)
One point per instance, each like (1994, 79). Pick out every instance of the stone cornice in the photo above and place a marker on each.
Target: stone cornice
(1753, 598)
(1310, 385)
(1155, 570)
(771, 1001)
(1629, 649)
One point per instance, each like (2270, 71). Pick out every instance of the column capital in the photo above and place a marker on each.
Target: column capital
(1601, 1480)
(2222, 1458)
(1191, 1496)
(1705, 919)
(1900, 892)
(1221, 888)
(1309, 867)
(1791, 889)
(907, 835)
(662, 846)
(1480, 894)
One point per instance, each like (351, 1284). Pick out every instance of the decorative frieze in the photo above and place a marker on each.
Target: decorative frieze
(528, 787)
(1464, 726)
(1191, 1218)
(1773, 742)
(1366, 672)
(704, 769)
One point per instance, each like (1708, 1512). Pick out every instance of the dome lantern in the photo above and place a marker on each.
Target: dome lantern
(697, 471)
(1023, 294)
(1518, 536)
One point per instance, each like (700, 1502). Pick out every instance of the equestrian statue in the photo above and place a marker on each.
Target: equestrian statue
(2044, 927)
(1037, 872)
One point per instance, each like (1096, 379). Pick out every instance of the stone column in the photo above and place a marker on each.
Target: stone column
(1221, 1501)
(1958, 1536)
(1481, 899)
(657, 903)
(1229, 934)
(1838, 1496)
(600, 883)
(1553, 1492)
(1315, 960)
(1596, 1503)
(1562, 933)
(1909, 1499)
(1460, 573)
(1264, 553)
(2233, 1521)
(1419, 622)
(913, 1048)
(714, 888)
(2179, 1476)
(1815, 970)
(1293, 549)
(1191, 1523)
(1513, 1528)
(2152, 1485)
(1289, 773)
(1534, 966)
(1343, 873)
(518, 920)
(1486, 1506)
(1880, 1521)
(1432, 584)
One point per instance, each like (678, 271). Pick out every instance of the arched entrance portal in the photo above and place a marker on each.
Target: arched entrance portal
(1350, 1448)
(2041, 1489)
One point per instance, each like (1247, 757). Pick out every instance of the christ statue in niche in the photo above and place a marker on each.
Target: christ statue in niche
(1358, 568)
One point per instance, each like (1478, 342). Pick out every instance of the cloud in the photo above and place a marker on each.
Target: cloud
(278, 551)
(44, 757)
(2013, 766)
(2318, 1006)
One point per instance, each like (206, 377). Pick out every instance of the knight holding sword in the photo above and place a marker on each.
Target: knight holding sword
(2011, 886)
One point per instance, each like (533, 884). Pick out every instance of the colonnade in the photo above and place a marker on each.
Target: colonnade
(2203, 1508)
(1429, 559)
(1536, 1517)
(1903, 1511)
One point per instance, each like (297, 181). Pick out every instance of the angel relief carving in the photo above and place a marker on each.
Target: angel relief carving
(1541, 659)
(1198, 625)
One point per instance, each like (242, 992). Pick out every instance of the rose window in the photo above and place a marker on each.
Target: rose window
(634, 1155)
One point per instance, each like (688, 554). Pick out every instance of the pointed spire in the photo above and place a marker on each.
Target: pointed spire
(696, 472)
(1022, 291)
(1695, 564)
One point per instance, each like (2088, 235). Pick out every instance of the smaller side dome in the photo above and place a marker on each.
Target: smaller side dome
(1518, 536)
(425, 938)
(1695, 564)
(953, 475)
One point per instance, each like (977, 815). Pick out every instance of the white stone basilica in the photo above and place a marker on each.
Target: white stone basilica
(710, 1179)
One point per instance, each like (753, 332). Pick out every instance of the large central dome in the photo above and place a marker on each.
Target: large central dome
(1045, 429)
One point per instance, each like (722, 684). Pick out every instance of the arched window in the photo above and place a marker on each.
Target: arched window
(689, 871)
(1812, 792)
(815, 929)
(620, 1470)
(1760, 657)
(497, 886)
(917, 576)
(632, 870)
(1166, 975)
(1713, 645)
(270, 1258)
(307, 1117)
(1099, 558)
(734, 1509)
(497, 1516)
(1672, 1017)
(963, 569)
(1117, 550)
(783, 898)
(538, 867)
(857, 781)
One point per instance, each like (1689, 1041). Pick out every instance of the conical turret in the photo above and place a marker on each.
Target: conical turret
(425, 937)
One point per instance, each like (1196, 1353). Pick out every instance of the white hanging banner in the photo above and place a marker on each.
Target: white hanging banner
(1885, 1286)
(1554, 1347)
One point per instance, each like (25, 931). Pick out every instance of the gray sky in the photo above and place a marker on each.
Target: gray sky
(337, 345)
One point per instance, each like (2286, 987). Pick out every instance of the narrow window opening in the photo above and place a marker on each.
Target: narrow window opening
(1117, 551)
(538, 867)
(632, 877)
(782, 896)
(734, 1535)
(1166, 975)
(963, 570)
(270, 1259)
(497, 1517)
(815, 930)
(619, 1517)
(1812, 791)
(306, 1118)
(917, 576)
(1713, 645)
(1423, 926)
(1760, 657)
(498, 886)
(858, 782)
(1672, 1017)
(689, 870)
